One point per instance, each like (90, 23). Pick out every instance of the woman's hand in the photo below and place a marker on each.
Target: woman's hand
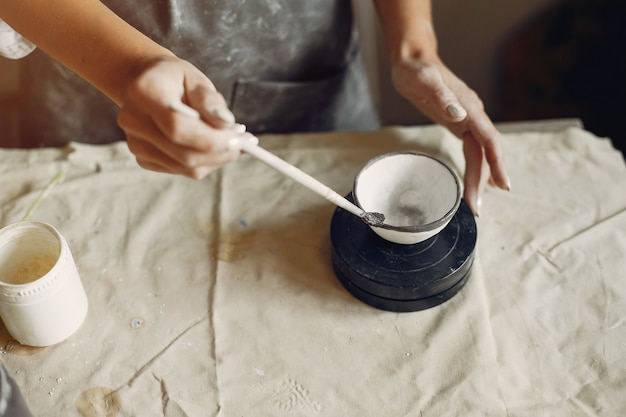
(441, 96)
(142, 77)
(419, 75)
(166, 140)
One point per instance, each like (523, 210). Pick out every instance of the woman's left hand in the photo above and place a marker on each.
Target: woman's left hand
(441, 96)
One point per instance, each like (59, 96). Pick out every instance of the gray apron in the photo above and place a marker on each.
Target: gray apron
(282, 65)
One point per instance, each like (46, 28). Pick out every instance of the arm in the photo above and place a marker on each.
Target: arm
(420, 76)
(408, 28)
(88, 38)
(139, 75)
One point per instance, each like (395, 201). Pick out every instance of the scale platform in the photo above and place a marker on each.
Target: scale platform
(402, 278)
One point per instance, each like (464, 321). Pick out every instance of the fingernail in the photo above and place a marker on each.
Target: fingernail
(223, 114)
(508, 184)
(456, 111)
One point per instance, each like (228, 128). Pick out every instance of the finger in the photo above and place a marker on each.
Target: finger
(211, 105)
(174, 153)
(150, 157)
(152, 166)
(476, 172)
(485, 133)
(176, 133)
(185, 131)
(439, 95)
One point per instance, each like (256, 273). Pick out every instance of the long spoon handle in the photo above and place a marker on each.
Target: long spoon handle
(282, 166)
(300, 176)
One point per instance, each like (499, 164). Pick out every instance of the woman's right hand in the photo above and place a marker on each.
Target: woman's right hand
(166, 140)
(140, 76)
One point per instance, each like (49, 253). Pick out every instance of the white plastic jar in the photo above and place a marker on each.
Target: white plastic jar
(42, 299)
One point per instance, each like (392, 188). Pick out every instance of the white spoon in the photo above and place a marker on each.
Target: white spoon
(252, 147)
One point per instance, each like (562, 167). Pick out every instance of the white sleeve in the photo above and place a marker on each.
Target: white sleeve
(12, 44)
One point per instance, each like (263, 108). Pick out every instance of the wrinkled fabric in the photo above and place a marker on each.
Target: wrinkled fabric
(11, 400)
(218, 298)
(281, 65)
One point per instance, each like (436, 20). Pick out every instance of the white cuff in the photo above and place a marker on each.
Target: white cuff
(12, 44)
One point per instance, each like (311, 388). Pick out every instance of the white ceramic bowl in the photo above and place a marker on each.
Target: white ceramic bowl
(417, 193)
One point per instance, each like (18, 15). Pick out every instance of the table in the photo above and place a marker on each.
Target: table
(217, 297)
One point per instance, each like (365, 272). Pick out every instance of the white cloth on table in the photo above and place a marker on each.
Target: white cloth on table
(218, 298)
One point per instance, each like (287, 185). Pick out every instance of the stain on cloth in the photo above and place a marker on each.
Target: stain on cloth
(232, 248)
(98, 402)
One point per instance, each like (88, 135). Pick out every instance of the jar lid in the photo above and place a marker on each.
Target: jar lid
(398, 277)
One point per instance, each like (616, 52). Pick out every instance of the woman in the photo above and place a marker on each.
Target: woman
(276, 66)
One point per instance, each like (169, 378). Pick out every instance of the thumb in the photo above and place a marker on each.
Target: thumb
(204, 97)
(442, 97)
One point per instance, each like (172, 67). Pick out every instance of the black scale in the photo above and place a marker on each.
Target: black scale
(402, 278)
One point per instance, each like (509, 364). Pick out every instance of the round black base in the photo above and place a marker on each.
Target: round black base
(402, 278)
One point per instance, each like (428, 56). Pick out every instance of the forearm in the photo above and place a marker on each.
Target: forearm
(88, 38)
(408, 28)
